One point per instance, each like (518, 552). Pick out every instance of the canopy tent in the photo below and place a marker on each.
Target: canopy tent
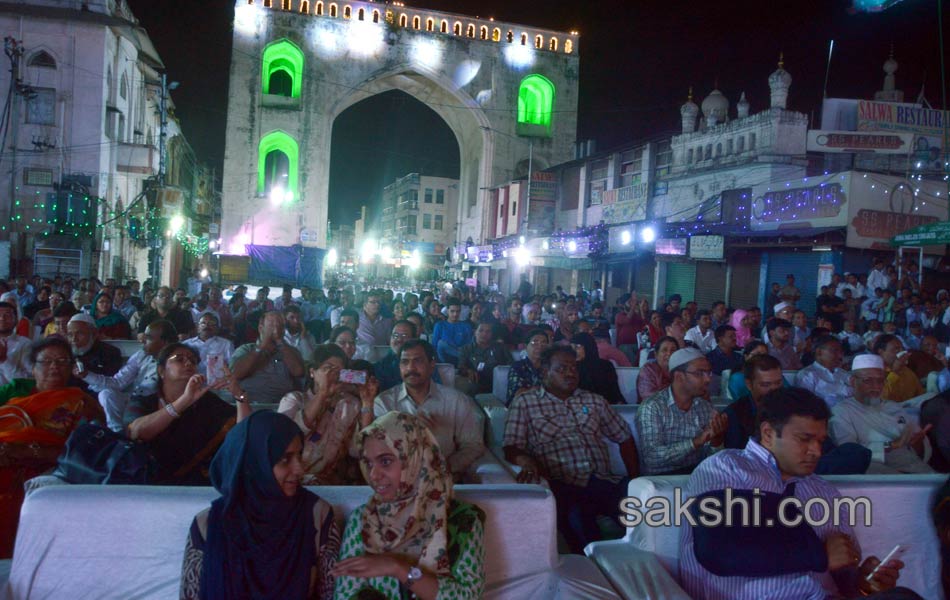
(931, 234)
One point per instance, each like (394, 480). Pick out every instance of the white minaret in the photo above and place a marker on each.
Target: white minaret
(779, 82)
(688, 112)
(742, 108)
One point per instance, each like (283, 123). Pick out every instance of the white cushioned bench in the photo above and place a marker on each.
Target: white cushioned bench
(127, 542)
(645, 562)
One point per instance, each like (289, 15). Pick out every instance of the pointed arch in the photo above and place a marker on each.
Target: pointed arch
(282, 60)
(552, 45)
(42, 59)
(361, 14)
(524, 39)
(483, 33)
(496, 35)
(416, 22)
(333, 9)
(319, 9)
(403, 20)
(444, 28)
(347, 12)
(470, 31)
(568, 46)
(457, 28)
(430, 24)
(280, 152)
(536, 101)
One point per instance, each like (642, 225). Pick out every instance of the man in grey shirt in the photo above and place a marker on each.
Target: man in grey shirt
(452, 416)
(267, 369)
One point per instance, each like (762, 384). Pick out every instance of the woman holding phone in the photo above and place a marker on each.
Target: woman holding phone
(329, 413)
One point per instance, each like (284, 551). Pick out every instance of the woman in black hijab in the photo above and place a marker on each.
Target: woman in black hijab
(596, 374)
(265, 537)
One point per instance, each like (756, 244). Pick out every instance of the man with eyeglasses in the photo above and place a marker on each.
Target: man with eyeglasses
(164, 308)
(374, 328)
(678, 427)
(14, 349)
(138, 377)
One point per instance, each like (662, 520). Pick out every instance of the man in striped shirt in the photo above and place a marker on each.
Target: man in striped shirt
(752, 560)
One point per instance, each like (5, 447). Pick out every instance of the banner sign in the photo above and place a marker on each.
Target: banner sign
(706, 247)
(854, 141)
(671, 246)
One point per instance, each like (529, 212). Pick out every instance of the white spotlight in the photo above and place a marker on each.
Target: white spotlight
(332, 257)
(625, 237)
(648, 235)
(572, 246)
(522, 256)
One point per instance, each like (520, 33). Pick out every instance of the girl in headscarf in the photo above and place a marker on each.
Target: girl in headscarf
(265, 537)
(412, 535)
(112, 325)
(596, 374)
(743, 334)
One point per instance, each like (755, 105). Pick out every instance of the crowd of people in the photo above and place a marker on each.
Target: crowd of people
(349, 391)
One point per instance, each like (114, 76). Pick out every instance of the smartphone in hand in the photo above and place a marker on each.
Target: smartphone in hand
(353, 376)
(215, 368)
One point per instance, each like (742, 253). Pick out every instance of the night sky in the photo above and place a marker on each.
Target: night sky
(637, 60)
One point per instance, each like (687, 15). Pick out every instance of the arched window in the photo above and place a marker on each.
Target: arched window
(282, 69)
(444, 27)
(552, 45)
(496, 35)
(277, 164)
(42, 59)
(708, 154)
(483, 33)
(457, 28)
(332, 10)
(347, 12)
(375, 16)
(524, 39)
(361, 14)
(403, 20)
(319, 10)
(536, 101)
(124, 87)
(305, 6)
(430, 24)
(268, 3)
(284, 4)
(568, 46)
(470, 30)
(510, 36)
(416, 22)
(538, 42)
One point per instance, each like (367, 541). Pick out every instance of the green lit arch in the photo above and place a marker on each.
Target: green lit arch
(278, 141)
(282, 55)
(536, 101)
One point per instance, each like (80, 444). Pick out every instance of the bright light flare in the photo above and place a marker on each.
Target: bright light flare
(368, 249)
(246, 19)
(648, 235)
(176, 224)
(625, 237)
(522, 256)
(364, 38)
(572, 246)
(332, 257)
(415, 260)
(427, 53)
(518, 56)
(204, 273)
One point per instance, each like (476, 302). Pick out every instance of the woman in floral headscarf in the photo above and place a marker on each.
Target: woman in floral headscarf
(743, 333)
(412, 535)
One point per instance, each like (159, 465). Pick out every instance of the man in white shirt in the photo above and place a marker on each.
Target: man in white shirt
(825, 378)
(296, 335)
(702, 335)
(877, 278)
(885, 427)
(451, 415)
(14, 350)
(209, 343)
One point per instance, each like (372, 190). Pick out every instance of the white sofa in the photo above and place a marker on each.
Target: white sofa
(127, 542)
(645, 562)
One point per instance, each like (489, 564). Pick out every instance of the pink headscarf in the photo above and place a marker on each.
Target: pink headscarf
(743, 335)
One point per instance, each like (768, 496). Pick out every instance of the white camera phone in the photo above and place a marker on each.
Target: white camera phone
(897, 552)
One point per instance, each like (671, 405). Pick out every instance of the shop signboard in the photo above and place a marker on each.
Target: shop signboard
(706, 247)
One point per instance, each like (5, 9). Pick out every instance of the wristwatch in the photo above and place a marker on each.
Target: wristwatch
(414, 575)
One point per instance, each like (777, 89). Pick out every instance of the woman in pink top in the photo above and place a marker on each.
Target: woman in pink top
(738, 320)
(655, 376)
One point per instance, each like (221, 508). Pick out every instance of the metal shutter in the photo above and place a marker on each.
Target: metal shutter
(643, 277)
(681, 279)
(804, 266)
(710, 283)
(745, 282)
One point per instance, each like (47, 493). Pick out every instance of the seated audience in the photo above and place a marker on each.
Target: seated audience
(737, 386)
(184, 422)
(928, 358)
(14, 348)
(526, 373)
(450, 335)
(412, 538)
(678, 426)
(453, 417)
(267, 369)
(597, 375)
(295, 334)
(266, 536)
(478, 359)
(702, 335)
(209, 344)
(724, 356)
(655, 375)
(605, 348)
(900, 383)
(95, 355)
(43, 319)
(825, 378)
(329, 417)
(780, 346)
(112, 325)
(22, 325)
(387, 368)
(882, 426)
(852, 342)
(163, 307)
(556, 431)
(735, 561)
(373, 328)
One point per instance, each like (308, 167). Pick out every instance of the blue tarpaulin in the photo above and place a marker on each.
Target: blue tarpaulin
(278, 265)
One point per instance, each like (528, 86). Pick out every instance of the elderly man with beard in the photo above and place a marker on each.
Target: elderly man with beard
(91, 353)
(164, 308)
(886, 428)
(14, 349)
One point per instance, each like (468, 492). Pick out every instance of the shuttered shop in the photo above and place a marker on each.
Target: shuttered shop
(681, 279)
(804, 266)
(745, 281)
(643, 282)
(710, 283)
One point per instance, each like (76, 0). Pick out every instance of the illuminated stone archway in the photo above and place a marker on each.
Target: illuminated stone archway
(475, 85)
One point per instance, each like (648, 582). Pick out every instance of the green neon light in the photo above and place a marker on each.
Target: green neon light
(536, 100)
(278, 141)
(282, 55)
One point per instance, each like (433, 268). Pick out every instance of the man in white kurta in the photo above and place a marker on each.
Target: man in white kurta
(887, 428)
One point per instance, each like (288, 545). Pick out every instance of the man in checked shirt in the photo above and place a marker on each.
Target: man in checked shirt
(557, 431)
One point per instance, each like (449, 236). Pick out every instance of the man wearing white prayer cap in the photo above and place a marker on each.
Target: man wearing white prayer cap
(888, 429)
(678, 427)
(94, 355)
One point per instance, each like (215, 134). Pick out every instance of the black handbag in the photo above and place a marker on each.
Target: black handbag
(97, 455)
